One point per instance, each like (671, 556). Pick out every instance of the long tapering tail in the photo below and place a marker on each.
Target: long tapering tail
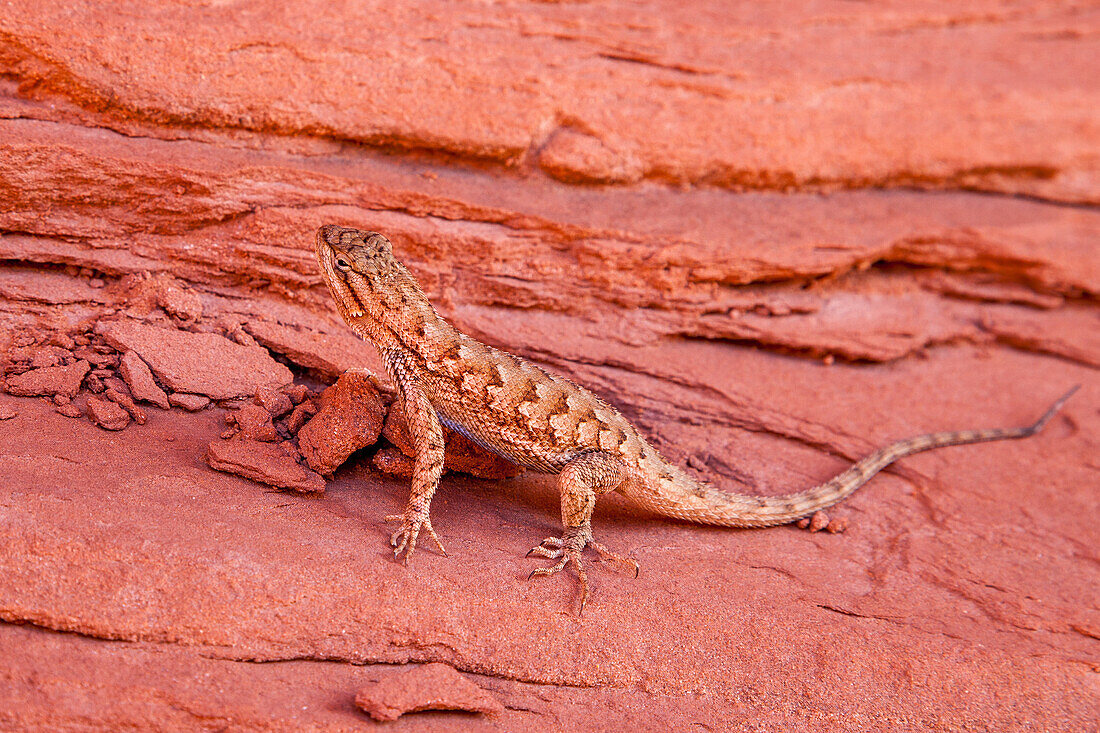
(669, 491)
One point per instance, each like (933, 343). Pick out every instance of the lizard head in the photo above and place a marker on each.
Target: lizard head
(365, 279)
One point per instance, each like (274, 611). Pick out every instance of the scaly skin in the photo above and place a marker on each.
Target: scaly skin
(543, 421)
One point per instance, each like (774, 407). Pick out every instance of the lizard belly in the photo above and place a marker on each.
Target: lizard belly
(506, 443)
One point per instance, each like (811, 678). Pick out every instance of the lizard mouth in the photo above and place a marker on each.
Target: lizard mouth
(327, 236)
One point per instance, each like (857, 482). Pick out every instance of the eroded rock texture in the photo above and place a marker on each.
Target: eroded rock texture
(775, 235)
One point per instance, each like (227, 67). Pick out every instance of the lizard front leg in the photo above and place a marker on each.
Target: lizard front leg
(582, 480)
(427, 440)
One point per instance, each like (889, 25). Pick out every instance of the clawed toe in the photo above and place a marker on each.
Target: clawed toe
(404, 539)
(551, 548)
(567, 551)
(606, 554)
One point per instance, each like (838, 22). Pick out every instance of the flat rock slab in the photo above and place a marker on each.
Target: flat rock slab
(140, 380)
(263, 462)
(433, 686)
(328, 354)
(63, 380)
(199, 363)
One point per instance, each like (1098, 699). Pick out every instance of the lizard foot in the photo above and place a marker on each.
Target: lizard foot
(568, 548)
(404, 539)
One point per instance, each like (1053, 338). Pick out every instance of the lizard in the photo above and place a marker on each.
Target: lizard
(545, 422)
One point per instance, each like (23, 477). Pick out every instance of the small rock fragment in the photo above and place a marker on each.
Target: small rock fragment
(49, 380)
(48, 356)
(460, 454)
(301, 415)
(107, 414)
(296, 392)
(274, 401)
(434, 686)
(7, 412)
(118, 385)
(350, 418)
(264, 462)
(61, 399)
(62, 339)
(94, 383)
(392, 461)
(819, 521)
(838, 525)
(140, 380)
(70, 410)
(189, 402)
(803, 523)
(124, 401)
(255, 423)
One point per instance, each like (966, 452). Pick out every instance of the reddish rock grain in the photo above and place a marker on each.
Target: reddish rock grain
(64, 380)
(263, 462)
(107, 414)
(70, 410)
(140, 380)
(254, 423)
(124, 401)
(201, 363)
(301, 414)
(189, 402)
(392, 461)
(276, 403)
(425, 687)
(350, 418)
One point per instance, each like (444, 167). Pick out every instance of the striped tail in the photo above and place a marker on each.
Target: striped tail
(671, 492)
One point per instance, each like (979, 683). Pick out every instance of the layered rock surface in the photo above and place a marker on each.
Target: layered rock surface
(773, 237)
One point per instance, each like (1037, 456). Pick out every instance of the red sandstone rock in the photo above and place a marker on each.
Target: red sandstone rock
(393, 461)
(107, 414)
(818, 521)
(254, 423)
(297, 393)
(328, 354)
(460, 454)
(350, 418)
(124, 401)
(263, 462)
(838, 525)
(274, 401)
(189, 402)
(7, 412)
(140, 380)
(202, 363)
(301, 415)
(424, 687)
(49, 380)
(48, 356)
(70, 410)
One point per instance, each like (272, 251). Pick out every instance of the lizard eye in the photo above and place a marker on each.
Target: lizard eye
(342, 265)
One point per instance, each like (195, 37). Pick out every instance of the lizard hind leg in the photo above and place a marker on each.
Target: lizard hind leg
(581, 481)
